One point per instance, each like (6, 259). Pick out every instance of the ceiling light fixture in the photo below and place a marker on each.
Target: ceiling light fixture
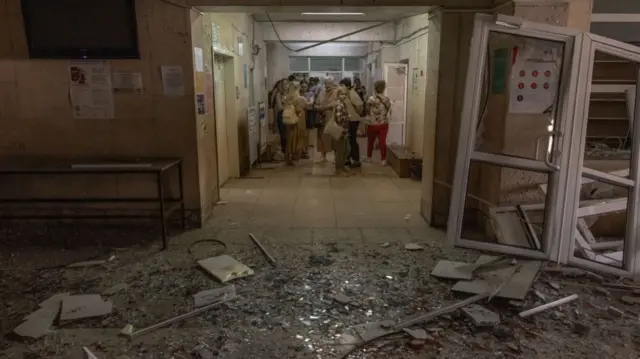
(332, 13)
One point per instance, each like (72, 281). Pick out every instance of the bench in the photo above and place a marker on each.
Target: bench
(38, 168)
(400, 159)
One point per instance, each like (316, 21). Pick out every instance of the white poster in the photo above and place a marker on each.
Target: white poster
(172, 80)
(90, 89)
(534, 80)
(199, 59)
(127, 82)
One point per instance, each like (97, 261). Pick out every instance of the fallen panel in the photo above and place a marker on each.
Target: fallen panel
(369, 331)
(39, 322)
(515, 288)
(509, 229)
(225, 268)
(84, 306)
(452, 270)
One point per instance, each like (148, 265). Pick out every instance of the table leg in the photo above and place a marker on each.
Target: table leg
(183, 212)
(162, 212)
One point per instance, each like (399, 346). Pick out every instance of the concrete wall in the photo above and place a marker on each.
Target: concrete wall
(36, 115)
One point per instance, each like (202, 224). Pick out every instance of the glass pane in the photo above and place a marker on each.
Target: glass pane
(505, 206)
(602, 223)
(326, 64)
(520, 96)
(299, 64)
(352, 64)
(609, 130)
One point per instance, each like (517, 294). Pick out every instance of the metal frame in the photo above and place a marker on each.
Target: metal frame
(159, 169)
(484, 24)
(630, 266)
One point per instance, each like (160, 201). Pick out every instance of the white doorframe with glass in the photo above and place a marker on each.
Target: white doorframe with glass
(562, 163)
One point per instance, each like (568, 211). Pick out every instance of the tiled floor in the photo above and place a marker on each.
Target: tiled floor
(308, 196)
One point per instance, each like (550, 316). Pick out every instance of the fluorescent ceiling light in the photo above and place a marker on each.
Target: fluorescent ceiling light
(332, 13)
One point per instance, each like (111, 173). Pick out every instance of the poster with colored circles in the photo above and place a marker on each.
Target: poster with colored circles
(534, 80)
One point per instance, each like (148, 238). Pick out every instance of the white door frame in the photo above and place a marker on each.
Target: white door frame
(564, 169)
(386, 66)
(471, 113)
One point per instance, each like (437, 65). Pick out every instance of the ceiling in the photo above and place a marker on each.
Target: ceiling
(294, 13)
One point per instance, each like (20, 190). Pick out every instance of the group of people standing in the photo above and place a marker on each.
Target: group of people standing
(336, 112)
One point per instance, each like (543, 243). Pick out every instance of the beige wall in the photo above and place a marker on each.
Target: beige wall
(36, 118)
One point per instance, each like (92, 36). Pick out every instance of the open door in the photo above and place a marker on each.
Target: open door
(396, 76)
(518, 106)
(602, 213)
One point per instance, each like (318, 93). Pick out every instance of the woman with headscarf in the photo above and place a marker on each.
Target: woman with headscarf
(324, 105)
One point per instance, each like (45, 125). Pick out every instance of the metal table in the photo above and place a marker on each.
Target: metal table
(159, 168)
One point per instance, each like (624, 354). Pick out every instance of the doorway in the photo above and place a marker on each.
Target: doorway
(396, 76)
(223, 77)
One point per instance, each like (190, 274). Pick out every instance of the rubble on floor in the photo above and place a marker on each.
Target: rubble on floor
(333, 300)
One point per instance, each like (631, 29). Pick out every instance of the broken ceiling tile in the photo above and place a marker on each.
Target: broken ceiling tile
(520, 278)
(480, 316)
(225, 268)
(207, 297)
(55, 299)
(370, 331)
(84, 306)
(39, 322)
(88, 354)
(453, 270)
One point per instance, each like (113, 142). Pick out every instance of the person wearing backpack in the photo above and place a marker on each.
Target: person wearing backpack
(378, 116)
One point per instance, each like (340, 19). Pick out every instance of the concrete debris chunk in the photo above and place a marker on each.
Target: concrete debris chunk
(201, 352)
(225, 268)
(413, 247)
(87, 264)
(630, 300)
(615, 311)
(207, 297)
(369, 331)
(419, 334)
(84, 306)
(480, 316)
(348, 339)
(342, 299)
(417, 344)
(581, 329)
(127, 330)
(385, 245)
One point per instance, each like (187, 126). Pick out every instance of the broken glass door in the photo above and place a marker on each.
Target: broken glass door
(602, 213)
(520, 80)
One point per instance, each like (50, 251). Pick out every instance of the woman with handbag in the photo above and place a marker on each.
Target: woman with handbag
(294, 119)
(324, 105)
(378, 113)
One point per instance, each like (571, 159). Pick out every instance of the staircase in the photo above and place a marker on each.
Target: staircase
(610, 103)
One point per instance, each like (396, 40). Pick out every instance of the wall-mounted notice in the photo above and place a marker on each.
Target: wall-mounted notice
(127, 82)
(198, 57)
(172, 80)
(240, 46)
(534, 79)
(90, 89)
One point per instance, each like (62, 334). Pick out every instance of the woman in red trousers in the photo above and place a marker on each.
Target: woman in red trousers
(378, 110)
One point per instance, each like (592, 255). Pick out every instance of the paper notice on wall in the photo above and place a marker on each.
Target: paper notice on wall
(90, 89)
(127, 82)
(198, 58)
(200, 104)
(172, 80)
(534, 79)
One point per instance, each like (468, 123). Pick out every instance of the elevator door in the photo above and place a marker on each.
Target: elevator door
(221, 120)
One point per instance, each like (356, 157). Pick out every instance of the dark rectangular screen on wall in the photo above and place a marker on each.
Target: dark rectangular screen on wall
(81, 29)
